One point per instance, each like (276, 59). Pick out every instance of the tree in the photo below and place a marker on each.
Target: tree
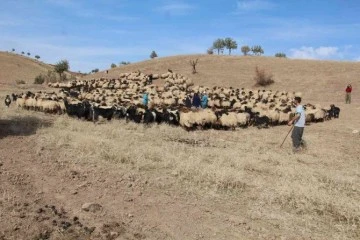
(124, 63)
(257, 50)
(37, 57)
(219, 45)
(245, 50)
(280, 55)
(230, 44)
(153, 55)
(28, 54)
(22, 53)
(61, 67)
(13, 49)
(95, 70)
(193, 63)
(210, 51)
(113, 65)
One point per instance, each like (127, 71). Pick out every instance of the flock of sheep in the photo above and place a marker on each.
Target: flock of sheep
(228, 108)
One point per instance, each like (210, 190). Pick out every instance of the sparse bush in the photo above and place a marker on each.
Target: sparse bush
(20, 82)
(39, 79)
(262, 78)
(22, 53)
(51, 76)
(95, 70)
(13, 49)
(245, 50)
(210, 51)
(281, 55)
(28, 54)
(193, 63)
(153, 55)
(37, 57)
(113, 65)
(124, 63)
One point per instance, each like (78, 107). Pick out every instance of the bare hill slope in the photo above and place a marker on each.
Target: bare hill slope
(318, 80)
(15, 67)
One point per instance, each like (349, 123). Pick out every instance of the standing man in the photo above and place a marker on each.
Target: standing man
(145, 99)
(204, 100)
(188, 101)
(299, 123)
(196, 101)
(348, 94)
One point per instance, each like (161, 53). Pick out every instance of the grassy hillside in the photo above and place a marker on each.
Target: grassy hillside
(318, 80)
(14, 67)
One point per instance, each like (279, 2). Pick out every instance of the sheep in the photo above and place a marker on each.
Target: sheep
(186, 119)
(229, 120)
(20, 102)
(243, 119)
(50, 106)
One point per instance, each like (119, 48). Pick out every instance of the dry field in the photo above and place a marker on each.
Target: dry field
(161, 182)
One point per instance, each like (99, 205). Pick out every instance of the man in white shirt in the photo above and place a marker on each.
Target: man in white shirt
(299, 121)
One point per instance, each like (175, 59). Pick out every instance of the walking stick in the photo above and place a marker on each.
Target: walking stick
(287, 135)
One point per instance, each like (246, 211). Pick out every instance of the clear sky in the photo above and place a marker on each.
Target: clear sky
(94, 34)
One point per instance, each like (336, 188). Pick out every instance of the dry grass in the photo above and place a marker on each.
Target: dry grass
(313, 194)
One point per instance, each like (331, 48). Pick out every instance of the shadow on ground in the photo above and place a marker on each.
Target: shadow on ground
(21, 126)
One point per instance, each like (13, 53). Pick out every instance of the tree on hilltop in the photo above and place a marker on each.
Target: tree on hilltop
(230, 44)
(219, 45)
(153, 55)
(245, 50)
(61, 67)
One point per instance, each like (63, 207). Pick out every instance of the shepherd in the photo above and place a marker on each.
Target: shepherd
(299, 123)
(145, 99)
(196, 101)
(204, 100)
(348, 94)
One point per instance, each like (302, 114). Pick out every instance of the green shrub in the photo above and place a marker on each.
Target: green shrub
(39, 79)
(281, 55)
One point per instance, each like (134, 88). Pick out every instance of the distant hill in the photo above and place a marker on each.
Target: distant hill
(14, 67)
(312, 77)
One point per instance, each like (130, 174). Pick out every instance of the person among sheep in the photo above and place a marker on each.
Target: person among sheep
(204, 100)
(188, 101)
(348, 94)
(196, 101)
(145, 99)
(7, 101)
(299, 121)
(150, 78)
